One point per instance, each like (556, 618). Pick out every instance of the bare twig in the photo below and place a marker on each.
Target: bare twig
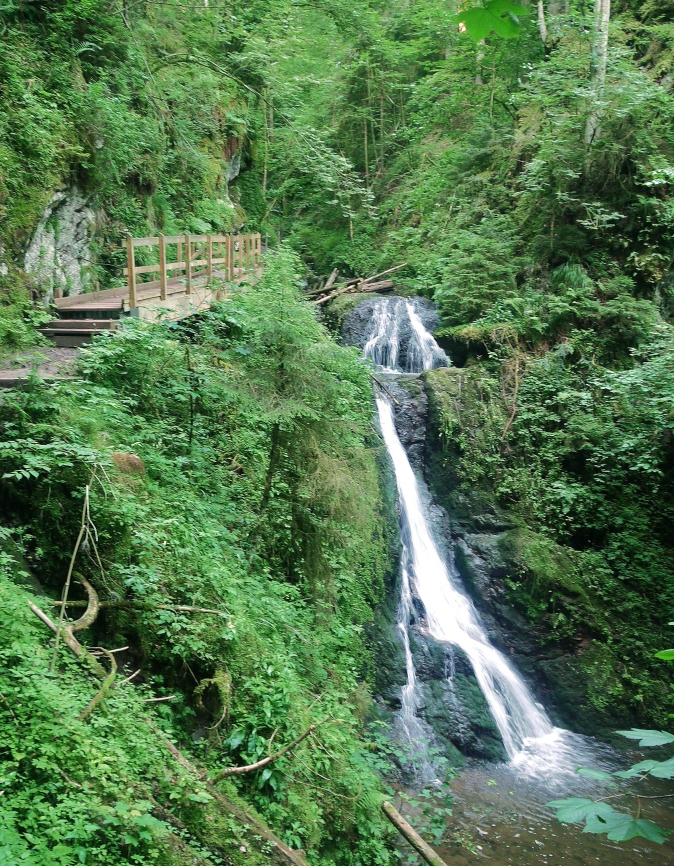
(157, 700)
(385, 389)
(104, 689)
(250, 768)
(66, 587)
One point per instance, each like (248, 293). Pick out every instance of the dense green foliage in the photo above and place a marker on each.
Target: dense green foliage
(284, 539)
(365, 134)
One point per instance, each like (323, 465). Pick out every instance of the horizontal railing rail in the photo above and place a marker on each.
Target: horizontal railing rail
(196, 256)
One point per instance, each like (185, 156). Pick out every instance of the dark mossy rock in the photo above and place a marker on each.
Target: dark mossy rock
(451, 702)
(390, 674)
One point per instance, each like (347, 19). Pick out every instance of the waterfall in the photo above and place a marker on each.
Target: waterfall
(450, 615)
(391, 318)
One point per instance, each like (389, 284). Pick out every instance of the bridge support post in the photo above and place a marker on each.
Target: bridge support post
(162, 268)
(131, 268)
(209, 259)
(188, 265)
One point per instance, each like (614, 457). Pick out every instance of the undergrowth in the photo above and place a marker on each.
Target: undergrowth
(229, 470)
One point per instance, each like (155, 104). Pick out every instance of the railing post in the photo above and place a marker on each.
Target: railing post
(209, 257)
(231, 257)
(162, 268)
(131, 268)
(188, 265)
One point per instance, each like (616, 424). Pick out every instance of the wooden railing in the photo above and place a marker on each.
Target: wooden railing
(196, 256)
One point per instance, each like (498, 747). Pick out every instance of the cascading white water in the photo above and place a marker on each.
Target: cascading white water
(450, 615)
(390, 317)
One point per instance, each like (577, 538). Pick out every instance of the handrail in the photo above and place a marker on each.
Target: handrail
(196, 256)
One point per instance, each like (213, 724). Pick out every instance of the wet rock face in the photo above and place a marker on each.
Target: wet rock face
(58, 255)
(357, 323)
(451, 701)
(411, 415)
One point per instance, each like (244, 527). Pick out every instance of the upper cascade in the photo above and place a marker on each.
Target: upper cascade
(397, 340)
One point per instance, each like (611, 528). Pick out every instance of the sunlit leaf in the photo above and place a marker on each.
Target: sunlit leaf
(667, 655)
(575, 809)
(648, 738)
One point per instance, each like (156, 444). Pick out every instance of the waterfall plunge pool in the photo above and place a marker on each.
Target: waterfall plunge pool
(499, 812)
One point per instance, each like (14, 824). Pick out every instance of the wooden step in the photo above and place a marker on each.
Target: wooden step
(78, 324)
(71, 337)
(105, 309)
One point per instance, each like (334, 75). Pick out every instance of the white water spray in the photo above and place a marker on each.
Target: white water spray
(451, 617)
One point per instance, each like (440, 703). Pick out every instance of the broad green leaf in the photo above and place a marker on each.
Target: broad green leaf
(667, 655)
(594, 774)
(478, 23)
(648, 738)
(609, 822)
(506, 26)
(663, 769)
(629, 828)
(575, 809)
(637, 770)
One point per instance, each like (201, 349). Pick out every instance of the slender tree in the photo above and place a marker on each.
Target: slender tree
(602, 14)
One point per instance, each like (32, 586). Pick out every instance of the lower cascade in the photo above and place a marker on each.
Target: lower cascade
(450, 615)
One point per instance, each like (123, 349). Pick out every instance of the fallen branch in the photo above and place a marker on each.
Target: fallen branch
(348, 288)
(70, 641)
(105, 688)
(93, 606)
(383, 273)
(331, 280)
(381, 286)
(412, 836)
(250, 768)
(141, 605)
(385, 389)
(66, 587)
(279, 850)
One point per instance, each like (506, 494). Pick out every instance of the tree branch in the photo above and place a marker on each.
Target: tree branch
(250, 768)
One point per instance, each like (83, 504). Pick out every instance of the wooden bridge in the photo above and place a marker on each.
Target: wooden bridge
(192, 271)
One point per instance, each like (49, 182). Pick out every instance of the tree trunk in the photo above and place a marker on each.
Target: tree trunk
(542, 27)
(602, 14)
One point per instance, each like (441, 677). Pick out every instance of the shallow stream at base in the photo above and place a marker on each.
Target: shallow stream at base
(503, 811)
(499, 811)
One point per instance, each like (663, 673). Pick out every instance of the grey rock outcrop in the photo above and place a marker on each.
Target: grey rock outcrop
(59, 254)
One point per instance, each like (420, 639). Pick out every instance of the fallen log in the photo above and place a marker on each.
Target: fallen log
(383, 273)
(280, 852)
(374, 287)
(331, 280)
(341, 291)
(412, 836)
